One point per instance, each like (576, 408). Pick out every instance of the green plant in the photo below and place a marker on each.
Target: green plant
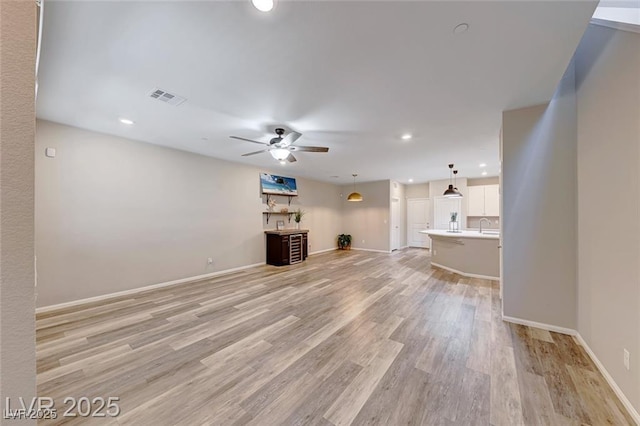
(344, 241)
(454, 216)
(297, 215)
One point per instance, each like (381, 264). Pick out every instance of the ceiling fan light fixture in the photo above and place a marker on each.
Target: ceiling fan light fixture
(279, 154)
(263, 5)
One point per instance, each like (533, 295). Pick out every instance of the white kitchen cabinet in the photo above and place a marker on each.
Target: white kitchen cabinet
(475, 199)
(483, 200)
(491, 200)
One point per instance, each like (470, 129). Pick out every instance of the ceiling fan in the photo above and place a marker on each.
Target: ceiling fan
(281, 148)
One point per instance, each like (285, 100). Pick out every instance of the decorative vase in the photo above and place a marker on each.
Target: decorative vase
(297, 225)
(453, 226)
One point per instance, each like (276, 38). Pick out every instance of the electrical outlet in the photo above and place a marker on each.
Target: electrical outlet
(435, 252)
(626, 359)
(209, 261)
(362, 241)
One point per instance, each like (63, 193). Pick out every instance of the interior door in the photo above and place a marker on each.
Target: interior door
(443, 207)
(418, 220)
(395, 224)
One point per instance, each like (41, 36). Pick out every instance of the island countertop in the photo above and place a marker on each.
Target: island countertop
(461, 234)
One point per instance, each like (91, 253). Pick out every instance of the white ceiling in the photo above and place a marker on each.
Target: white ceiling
(353, 76)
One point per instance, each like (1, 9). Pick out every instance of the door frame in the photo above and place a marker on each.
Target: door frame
(429, 214)
(395, 216)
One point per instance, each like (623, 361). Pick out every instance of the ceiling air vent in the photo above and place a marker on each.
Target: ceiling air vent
(166, 97)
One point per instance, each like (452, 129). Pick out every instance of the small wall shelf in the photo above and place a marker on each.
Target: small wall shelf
(288, 196)
(279, 214)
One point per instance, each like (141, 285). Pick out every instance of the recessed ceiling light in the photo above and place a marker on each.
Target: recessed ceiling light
(283, 162)
(484, 173)
(461, 28)
(263, 5)
(406, 137)
(126, 121)
(410, 180)
(483, 164)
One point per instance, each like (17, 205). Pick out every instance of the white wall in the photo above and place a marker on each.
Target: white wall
(17, 88)
(114, 214)
(368, 221)
(539, 210)
(608, 79)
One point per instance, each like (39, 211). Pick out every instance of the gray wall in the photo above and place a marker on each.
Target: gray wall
(539, 210)
(417, 190)
(114, 214)
(368, 220)
(17, 88)
(608, 79)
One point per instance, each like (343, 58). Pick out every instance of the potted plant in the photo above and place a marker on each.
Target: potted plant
(344, 242)
(297, 216)
(453, 224)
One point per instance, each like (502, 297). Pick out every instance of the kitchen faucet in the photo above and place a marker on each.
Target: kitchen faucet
(484, 218)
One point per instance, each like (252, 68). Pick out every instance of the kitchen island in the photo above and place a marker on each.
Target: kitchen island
(468, 253)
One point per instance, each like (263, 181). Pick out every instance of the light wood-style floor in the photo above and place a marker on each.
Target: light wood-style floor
(347, 337)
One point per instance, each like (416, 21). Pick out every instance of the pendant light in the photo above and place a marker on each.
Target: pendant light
(455, 187)
(452, 191)
(354, 196)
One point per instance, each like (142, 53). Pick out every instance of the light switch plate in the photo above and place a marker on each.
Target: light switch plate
(50, 152)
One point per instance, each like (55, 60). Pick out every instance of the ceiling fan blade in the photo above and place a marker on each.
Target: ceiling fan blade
(248, 140)
(254, 153)
(291, 158)
(291, 138)
(309, 148)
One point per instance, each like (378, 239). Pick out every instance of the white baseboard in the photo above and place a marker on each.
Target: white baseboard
(323, 251)
(464, 274)
(543, 326)
(50, 308)
(373, 250)
(623, 398)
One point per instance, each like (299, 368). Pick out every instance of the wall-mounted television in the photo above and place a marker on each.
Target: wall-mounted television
(278, 185)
